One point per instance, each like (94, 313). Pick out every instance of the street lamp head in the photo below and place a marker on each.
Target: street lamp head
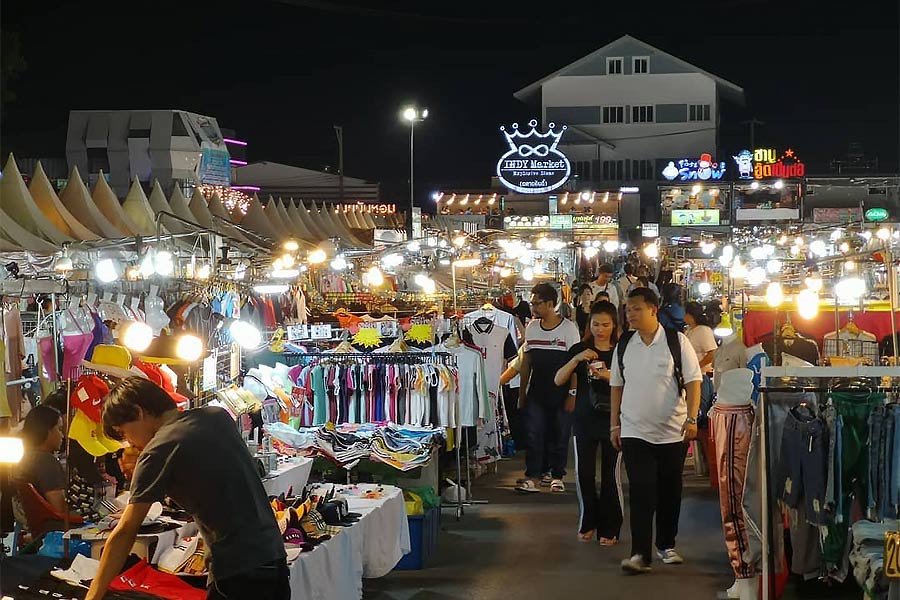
(410, 114)
(425, 113)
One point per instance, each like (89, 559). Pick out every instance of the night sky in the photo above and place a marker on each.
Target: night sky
(282, 73)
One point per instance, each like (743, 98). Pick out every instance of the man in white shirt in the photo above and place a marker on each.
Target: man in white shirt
(651, 423)
(548, 338)
(604, 283)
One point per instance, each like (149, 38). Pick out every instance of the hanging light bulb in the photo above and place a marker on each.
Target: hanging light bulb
(728, 250)
(287, 260)
(64, 263)
(163, 263)
(188, 347)
(651, 251)
(818, 248)
(758, 253)
(147, 268)
(106, 270)
(845, 247)
(783, 239)
(707, 247)
(317, 256)
(814, 283)
(528, 274)
(590, 252)
(774, 294)
(374, 276)
(704, 288)
(849, 265)
(204, 271)
(291, 246)
(738, 270)
(773, 266)
(392, 260)
(460, 241)
(610, 246)
(414, 246)
(836, 234)
(884, 234)
(756, 276)
(245, 334)
(137, 336)
(850, 289)
(808, 303)
(724, 328)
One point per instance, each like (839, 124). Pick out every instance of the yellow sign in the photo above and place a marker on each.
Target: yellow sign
(420, 333)
(892, 554)
(367, 337)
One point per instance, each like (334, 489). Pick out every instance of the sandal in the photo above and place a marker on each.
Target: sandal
(587, 536)
(557, 485)
(546, 480)
(608, 541)
(527, 486)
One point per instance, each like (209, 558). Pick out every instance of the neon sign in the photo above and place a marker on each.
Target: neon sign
(695, 169)
(531, 166)
(378, 209)
(764, 163)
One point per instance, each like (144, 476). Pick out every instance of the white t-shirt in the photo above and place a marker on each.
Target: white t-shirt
(610, 288)
(496, 345)
(702, 340)
(652, 408)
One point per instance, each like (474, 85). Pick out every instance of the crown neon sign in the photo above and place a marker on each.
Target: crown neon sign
(533, 164)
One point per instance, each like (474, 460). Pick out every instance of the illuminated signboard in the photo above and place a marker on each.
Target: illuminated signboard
(594, 222)
(876, 214)
(374, 208)
(695, 169)
(764, 163)
(695, 217)
(837, 215)
(554, 222)
(532, 166)
(650, 230)
(215, 167)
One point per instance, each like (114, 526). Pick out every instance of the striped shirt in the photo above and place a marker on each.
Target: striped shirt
(548, 350)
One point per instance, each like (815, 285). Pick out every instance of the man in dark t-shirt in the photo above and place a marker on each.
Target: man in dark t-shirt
(198, 459)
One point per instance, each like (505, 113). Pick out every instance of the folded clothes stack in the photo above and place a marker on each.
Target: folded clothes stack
(402, 447)
(867, 555)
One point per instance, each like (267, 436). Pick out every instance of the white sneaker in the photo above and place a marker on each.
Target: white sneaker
(670, 557)
(635, 565)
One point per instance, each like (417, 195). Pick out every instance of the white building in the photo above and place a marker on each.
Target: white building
(173, 146)
(628, 106)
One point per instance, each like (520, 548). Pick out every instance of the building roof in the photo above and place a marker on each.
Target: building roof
(279, 179)
(728, 90)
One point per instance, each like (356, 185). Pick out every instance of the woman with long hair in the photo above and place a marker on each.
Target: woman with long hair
(587, 375)
(42, 437)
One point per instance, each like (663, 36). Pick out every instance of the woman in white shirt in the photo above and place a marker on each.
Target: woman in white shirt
(700, 334)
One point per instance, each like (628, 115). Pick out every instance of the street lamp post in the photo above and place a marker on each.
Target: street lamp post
(413, 115)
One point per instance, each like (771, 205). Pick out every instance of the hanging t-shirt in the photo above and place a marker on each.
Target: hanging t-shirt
(496, 348)
(320, 397)
(503, 319)
(548, 350)
(473, 397)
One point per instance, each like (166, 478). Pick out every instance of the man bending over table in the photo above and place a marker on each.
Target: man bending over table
(198, 459)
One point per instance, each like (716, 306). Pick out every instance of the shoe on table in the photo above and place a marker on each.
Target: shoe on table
(635, 565)
(546, 480)
(670, 556)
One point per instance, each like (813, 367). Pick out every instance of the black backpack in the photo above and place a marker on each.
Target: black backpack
(674, 347)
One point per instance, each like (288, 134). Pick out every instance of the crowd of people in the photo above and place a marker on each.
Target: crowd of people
(575, 385)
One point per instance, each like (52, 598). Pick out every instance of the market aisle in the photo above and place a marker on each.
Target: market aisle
(525, 547)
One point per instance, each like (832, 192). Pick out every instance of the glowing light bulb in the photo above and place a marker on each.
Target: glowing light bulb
(808, 304)
(818, 248)
(754, 185)
(651, 250)
(850, 265)
(245, 334)
(106, 270)
(188, 347)
(850, 289)
(610, 246)
(774, 294)
(375, 276)
(288, 261)
(339, 263)
(317, 256)
(779, 184)
(291, 246)
(758, 253)
(137, 336)
(773, 266)
(528, 274)
(704, 288)
(163, 264)
(414, 246)
(756, 276)
(814, 283)
(884, 234)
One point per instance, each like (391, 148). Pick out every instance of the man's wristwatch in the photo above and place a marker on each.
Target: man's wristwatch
(691, 420)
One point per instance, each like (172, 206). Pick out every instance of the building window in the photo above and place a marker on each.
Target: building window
(614, 65)
(698, 112)
(138, 133)
(642, 114)
(613, 114)
(613, 170)
(583, 169)
(641, 65)
(98, 160)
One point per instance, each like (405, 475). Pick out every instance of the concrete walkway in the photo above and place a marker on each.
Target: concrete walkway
(525, 547)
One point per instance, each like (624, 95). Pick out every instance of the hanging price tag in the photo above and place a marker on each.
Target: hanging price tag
(892, 555)
(297, 332)
(209, 371)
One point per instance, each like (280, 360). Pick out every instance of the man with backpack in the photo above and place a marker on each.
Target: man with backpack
(655, 383)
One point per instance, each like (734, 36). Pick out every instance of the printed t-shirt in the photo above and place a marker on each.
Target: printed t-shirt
(200, 461)
(496, 348)
(548, 350)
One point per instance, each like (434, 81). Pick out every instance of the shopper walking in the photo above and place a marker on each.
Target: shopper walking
(548, 339)
(198, 459)
(587, 373)
(655, 385)
(604, 283)
(583, 310)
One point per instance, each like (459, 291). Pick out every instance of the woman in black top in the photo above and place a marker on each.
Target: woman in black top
(583, 307)
(587, 374)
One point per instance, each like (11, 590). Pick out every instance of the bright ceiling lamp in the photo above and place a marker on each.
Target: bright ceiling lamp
(204, 271)
(374, 277)
(814, 283)
(189, 347)
(590, 252)
(610, 246)
(850, 289)
(818, 248)
(774, 294)
(738, 270)
(147, 269)
(426, 283)
(392, 260)
(339, 263)
(64, 263)
(707, 247)
(137, 336)
(704, 288)
(469, 261)
(528, 274)
(756, 276)
(773, 266)
(163, 263)
(245, 334)
(287, 260)
(291, 246)
(11, 450)
(414, 246)
(758, 253)
(317, 256)
(651, 251)
(808, 303)
(460, 241)
(883, 234)
(106, 270)
(264, 288)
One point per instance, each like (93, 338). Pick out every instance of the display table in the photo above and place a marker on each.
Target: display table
(370, 548)
(293, 474)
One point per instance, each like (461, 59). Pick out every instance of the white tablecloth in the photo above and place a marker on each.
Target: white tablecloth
(370, 548)
(292, 474)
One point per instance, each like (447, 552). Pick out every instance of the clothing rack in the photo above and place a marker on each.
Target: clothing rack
(768, 569)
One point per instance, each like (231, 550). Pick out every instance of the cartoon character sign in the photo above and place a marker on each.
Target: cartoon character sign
(744, 161)
(671, 171)
(704, 167)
